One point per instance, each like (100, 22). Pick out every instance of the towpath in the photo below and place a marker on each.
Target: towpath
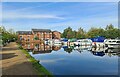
(14, 62)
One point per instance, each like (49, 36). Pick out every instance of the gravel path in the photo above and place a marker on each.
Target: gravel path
(14, 62)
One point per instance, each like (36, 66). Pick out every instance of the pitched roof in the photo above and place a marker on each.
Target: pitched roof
(41, 30)
(56, 31)
(24, 32)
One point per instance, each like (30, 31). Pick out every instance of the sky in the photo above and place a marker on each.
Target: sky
(60, 0)
(58, 15)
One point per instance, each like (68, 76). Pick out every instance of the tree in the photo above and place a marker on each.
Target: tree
(11, 31)
(74, 34)
(69, 50)
(109, 27)
(80, 33)
(94, 32)
(108, 32)
(36, 38)
(111, 32)
(68, 33)
(7, 36)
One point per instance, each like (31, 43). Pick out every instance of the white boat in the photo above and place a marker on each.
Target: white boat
(48, 42)
(56, 41)
(64, 41)
(98, 44)
(83, 42)
(112, 43)
(98, 49)
(82, 47)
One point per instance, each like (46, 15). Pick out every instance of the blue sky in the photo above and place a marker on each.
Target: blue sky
(60, 0)
(58, 15)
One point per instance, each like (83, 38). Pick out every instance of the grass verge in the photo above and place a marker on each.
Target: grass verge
(38, 67)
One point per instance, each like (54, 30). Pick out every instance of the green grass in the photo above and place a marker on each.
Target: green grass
(38, 67)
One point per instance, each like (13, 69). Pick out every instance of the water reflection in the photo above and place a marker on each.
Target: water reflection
(105, 51)
(45, 49)
(37, 48)
(113, 52)
(76, 60)
(56, 47)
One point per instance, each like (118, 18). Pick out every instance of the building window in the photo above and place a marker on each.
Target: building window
(41, 34)
(20, 37)
(28, 37)
(47, 33)
(36, 46)
(28, 46)
(41, 38)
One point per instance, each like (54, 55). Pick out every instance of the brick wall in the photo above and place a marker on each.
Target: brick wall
(43, 35)
(26, 38)
(56, 35)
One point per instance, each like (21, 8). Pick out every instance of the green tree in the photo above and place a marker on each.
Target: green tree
(94, 32)
(109, 27)
(80, 33)
(111, 32)
(68, 33)
(7, 36)
(108, 32)
(69, 50)
(74, 34)
(36, 38)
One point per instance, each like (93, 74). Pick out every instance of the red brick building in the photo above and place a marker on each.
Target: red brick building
(28, 39)
(42, 34)
(25, 36)
(56, 35)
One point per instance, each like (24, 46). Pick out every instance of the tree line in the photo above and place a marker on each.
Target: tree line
(7, 36)
(109, 32)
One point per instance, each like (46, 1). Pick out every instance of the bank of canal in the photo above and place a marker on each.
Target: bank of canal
(17, 61)
(38, 67)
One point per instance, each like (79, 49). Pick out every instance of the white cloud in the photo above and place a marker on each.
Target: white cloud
(51, 60)
(43, 16)
(32, 16)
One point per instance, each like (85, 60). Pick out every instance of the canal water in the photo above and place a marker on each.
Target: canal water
(64, 60)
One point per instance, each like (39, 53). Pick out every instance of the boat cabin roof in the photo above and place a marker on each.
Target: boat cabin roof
(84, 40)
(113, 40)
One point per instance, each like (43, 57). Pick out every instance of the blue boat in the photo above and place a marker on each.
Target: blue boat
(64, 40)
(99, 53)
(98, 39)
(64, 47)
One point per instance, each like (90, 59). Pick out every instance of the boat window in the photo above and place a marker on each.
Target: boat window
(106, 40)
(85, 40)
(109, 41)
(118, 41)
(113, 41)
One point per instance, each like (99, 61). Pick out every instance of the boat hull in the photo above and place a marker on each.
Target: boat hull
(113, 46)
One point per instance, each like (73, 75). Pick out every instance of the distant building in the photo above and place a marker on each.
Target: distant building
(25, 36)
(42, 34)
(28, 38)
(56, 35)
